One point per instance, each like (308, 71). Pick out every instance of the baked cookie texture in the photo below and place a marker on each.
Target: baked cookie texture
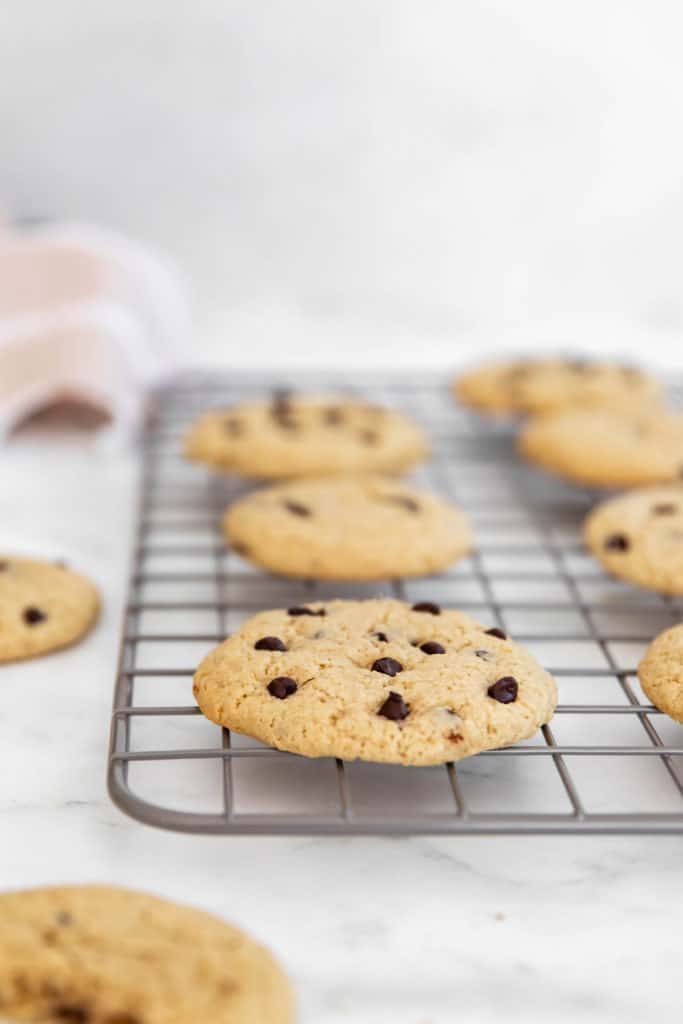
(638, 536)
(347, 528)
(97, 955)
(545, 385)
(606, 449)
(43, 606)
(292, 436)
(661, 672)
(377, 680)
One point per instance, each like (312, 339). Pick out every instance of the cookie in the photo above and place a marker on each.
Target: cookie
(43, 606)
(661, 672)
(347, 528)
(606, 449)
(376, 680)
(293, 436)
(545, 385)
(638, 537)
(97, 955)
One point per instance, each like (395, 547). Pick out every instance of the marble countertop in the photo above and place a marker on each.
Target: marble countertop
(412, 931)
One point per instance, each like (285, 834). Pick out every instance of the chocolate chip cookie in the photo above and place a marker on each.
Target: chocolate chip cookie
(606, 449)
(661, 672)
(97, 955)
(43, 606)
(638, 536)
(348, 528)
(377, 680)
(545, 385)
(291, 436)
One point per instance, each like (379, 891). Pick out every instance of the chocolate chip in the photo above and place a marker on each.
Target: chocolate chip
(303, 610)
(233, 427)
(239, 548)
(32, 616)
(409, 504)
(282, 398)
(369, 436)
(665, 509)
(4, 566)
(333, 416)
(504, 690)
(495, 631)
(73, 1014)
(297, 509)
(394, 707)
(64, 918)
(270, 643)
(484, 655)
(427, 606)
(388, 666)
(431, 647)
(617, 542)
(281, 687)
(382, 637)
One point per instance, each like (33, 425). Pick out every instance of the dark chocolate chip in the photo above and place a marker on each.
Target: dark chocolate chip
(382, 637)
(484, 655)
(394, 707)
(4, 566)
(32, 616)
(333, 416)
(270, 643)
(388, 666)
(297, 509)
(369, 436)
(504, 690)
(427, 606)
(239, 548)
(617, 542)
(281, 687)
(73, 1014)
(431, 647)
(304, 610)
(233, 427)
(495, 631)
(409, 504)
(665, 509)
(64, 918)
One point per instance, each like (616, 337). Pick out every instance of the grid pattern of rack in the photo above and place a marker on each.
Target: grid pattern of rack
(609, 762)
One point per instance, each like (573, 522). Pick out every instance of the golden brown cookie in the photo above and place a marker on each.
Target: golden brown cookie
(377, 680)
(638, 536)
(606, 449)
(43, 606)
(97, 955)
(293, 436)
(661, 672)
(348, 528)
(546, 385)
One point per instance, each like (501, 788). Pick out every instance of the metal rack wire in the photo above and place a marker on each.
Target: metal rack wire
(609, 762)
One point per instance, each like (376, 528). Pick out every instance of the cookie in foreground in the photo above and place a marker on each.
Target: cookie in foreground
(98, 955)
(545, 385)
(378, 680)
(43, 606)
(348, 528)
(638, 536)
(291, 436)
(661, 672)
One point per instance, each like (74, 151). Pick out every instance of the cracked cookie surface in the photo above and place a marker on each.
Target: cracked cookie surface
(291, 436)
(378, 680)
(351, 528)
(638, 537)
(98, 955)
(545, 385)
(43, 606)
(661, 672)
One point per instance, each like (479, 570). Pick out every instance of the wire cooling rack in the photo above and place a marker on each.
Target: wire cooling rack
(609, 762)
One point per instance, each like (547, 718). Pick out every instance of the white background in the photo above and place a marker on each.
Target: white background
(383, 180)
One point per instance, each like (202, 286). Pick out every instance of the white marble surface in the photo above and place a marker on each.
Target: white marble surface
(412, 931)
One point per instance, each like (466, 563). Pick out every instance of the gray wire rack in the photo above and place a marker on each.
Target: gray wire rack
(609, 762)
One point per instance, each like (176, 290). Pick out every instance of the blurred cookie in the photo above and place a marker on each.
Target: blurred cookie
(661, 672)
(43, 606)
(97, 955)
(606, 449)
(377, 680)
(348, 528)
(545, 385)
(638, 536)
(308, 436)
